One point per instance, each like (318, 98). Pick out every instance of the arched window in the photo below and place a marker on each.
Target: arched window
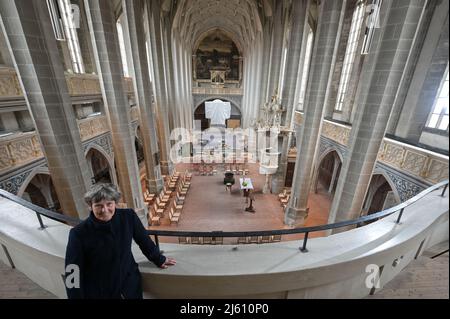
(350, 53)
(70, 17)
(305, 72)
(123, 53)
(438, 118)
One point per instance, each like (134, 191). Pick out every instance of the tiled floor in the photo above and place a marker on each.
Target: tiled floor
(209, 207)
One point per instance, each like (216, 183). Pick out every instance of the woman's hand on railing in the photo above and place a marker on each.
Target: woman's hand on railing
(169, 262)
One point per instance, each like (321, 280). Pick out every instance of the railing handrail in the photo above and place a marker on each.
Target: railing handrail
(38, 209)
(400, 207)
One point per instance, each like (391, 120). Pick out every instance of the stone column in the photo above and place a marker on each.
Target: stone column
(308, 134)
(296, 49)
(109, 66)
(143, 92)
(276, 50)
(382, 73)
(156, 47)
(27, 27)
(429, 70)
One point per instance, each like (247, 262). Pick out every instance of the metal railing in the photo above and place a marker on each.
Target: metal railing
(303, 230)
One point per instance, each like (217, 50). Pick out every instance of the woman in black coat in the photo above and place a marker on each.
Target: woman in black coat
(99, 250)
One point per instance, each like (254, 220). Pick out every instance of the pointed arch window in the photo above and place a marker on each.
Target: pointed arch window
(439, 116)
(350, 54)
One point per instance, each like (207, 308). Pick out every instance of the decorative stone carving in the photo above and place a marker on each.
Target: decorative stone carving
(404, 184)
(437, 171)
(83, 84)
(13, 182)
(92, 127)
(9, 83)
(418, 163)
(19, 149)
(336, 132)
(326, 145)
(217, 91)
(104, 142)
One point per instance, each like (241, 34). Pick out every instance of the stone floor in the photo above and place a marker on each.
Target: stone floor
(210, 207)
(424, 278)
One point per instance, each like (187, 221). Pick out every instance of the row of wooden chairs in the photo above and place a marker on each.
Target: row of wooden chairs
(237, 169)
(158, 204)
(180, 197)
(259, 239)
(201, 240)
(219, 240)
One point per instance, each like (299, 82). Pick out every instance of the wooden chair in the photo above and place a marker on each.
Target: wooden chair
(207, 240)
(254, 240)
(180, 199)
(158, 211)
(218, 240)
(177, 207)
(183, 240)
(276, 238)
(154, 220)
(173, 219)
(195, 240)
(242, 240)
(265, 239)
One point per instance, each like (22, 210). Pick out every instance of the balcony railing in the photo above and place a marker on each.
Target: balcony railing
(92, 127)
(418, 162)
(303, 230)
(217, 91)
(77, 84)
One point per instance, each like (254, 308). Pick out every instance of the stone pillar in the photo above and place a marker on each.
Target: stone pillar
(296, 49)
(109, 66)
(27, 27)
(276, 50)
(308, 134)
(382, 73)
(156, 46)
(143, 92)
(429, 70)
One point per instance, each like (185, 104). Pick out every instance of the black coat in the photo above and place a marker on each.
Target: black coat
(102, 251)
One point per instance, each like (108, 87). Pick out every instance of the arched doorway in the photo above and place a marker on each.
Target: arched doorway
(328, 173)
(202, 123)
(380, 196)
(100, 169)
(41, 192)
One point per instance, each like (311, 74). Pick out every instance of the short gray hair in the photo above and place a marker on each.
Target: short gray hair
(100, 192)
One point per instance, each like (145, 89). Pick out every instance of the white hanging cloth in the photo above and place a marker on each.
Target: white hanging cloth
(218, 111)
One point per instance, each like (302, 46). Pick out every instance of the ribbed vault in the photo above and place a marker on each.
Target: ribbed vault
(240, 18)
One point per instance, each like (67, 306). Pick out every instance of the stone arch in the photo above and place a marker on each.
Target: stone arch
(322, 155)
(394, 188)
(48, 193)
(34, 172)
(203, 99)
(336, 166)
(210, 31)
(234, 108)
(107, 157)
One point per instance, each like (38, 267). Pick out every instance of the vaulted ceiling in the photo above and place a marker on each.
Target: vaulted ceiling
(239, 18)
